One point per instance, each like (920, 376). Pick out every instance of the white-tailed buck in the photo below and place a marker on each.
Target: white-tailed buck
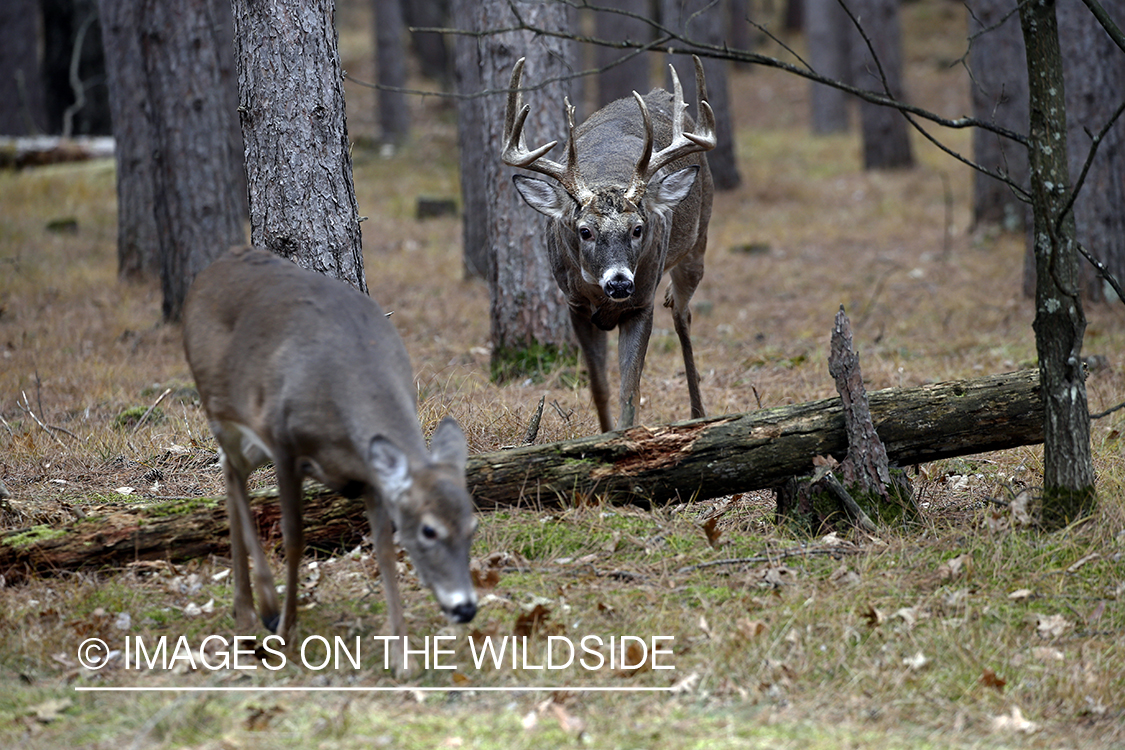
(302, 370)
(632, 201)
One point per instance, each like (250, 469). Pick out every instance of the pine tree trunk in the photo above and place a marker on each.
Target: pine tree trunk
(21, 88)
(472, 141)
(1068, 474)
(620, 80)
(1094, 69)
(137, 241)
(830, 37)
(999, 90)
(886, 141)
(390, 66)
(195, 204)
(429, 46)
(528, 311)
(704, 21)
(298, 164)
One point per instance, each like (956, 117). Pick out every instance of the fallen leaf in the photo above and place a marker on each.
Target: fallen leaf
(461, 680)
(1021, 508)
(686, 685)
(955, 567)
(908, 615)
(751, 629)
(1052, 626)
(844, 576)
(916, 662)
(1074, 568)
(1014, 723)
(125, 490)
(1046, 653)
(569, 724)
(49, 710)
(874, 617)
(258, 719)
(1020, 595)
(529, 622)
(780, 576)
(990, 679)
(530, 720)
(712, 530)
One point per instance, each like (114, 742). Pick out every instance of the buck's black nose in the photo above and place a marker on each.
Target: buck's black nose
(464, 612)
(619, 287)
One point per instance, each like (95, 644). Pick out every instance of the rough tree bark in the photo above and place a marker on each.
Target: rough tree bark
(390, 71)
(137, 241)
(298, 164)
(196, 206)
(999, 90)
(704, 21)
(700, 459)
(632, 74)
(472, 141)
(830, 36)
(1094, 69)
(886, 141)
(24, 111)
(1060, 323)
(528, 313)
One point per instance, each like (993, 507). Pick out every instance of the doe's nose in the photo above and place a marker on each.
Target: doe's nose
(619, 287)
(464, 612)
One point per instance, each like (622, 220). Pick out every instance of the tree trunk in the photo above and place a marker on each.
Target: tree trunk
(830, 37)
(390, 67)
(472, 141)
(1094, 69)
(632, 73)
(195, 204)
(699, 459)
(429, 47)
(298, 164)
(886, 141)
(1068, 473)
(999, 89)
(21, 88)
(704, 21)
(137, 241)
(528, 312)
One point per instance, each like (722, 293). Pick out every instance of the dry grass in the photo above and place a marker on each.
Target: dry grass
(817, 650)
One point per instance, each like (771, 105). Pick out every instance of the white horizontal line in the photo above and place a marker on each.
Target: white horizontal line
(229, 689)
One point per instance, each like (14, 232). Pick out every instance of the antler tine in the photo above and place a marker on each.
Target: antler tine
(702, 139)
(516, 153)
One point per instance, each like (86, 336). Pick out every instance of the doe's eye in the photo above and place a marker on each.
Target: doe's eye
(429, 532)
(585, 233)
(638, 230)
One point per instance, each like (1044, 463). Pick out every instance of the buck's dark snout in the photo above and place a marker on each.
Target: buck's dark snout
(619, 286)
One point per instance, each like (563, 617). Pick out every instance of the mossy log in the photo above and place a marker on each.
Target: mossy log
(701, 458)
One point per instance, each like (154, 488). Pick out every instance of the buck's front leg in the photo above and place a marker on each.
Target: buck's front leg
(239, 563)
(632, 346)
(592, 342)
(382, 532)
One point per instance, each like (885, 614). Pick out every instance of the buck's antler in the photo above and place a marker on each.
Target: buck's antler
(702, 139)
(516, 153)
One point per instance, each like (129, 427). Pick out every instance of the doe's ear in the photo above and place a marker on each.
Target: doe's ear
(672, 188)
(448, 444)
(548, 199)
(392, 469)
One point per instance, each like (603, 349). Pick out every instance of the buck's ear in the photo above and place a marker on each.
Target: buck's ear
(392, 469)
(672, 188)
(448, 444)
(548, 199)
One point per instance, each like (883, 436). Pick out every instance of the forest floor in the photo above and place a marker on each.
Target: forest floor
(958, 632)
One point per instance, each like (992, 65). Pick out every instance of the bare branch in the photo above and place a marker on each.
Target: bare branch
(1107, 23)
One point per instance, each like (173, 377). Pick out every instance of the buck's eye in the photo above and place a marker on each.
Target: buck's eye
(429, 532)
(585, 233)
(638, 230)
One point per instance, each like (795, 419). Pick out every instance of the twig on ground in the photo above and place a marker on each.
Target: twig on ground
(145, 416)
(26, 407)
(770, 558)
(533, 426)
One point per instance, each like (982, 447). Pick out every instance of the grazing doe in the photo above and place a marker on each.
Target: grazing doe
(620, 216)
(302, 370)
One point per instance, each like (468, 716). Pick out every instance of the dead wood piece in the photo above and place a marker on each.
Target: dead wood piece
(700, 458)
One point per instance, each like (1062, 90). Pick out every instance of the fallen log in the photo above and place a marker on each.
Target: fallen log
(701, 458)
